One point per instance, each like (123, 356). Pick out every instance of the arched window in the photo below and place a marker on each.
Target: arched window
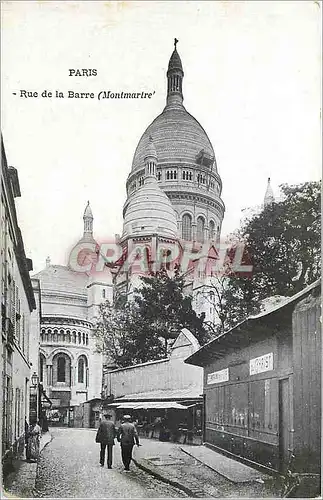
(80, 371)
(212, 229)
(61, 369)
(200, 229)
(187, 227)
(79, 337)
(87, 339)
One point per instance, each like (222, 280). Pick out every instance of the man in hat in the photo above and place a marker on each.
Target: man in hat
(105, 436)
(127, 436)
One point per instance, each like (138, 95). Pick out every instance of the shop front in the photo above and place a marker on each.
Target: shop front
(163, 420)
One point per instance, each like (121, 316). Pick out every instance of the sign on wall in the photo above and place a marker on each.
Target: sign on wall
(219, 376)
(262, 364)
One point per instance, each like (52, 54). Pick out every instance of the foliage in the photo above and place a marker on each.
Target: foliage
(140, 329)
(282, 243)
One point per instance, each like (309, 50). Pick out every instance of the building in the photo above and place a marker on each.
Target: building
(70, 370)
(262, 386)
(174, 157)
(17, 304)
(148, 390)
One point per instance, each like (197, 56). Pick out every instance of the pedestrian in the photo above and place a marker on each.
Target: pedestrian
(127, 436)
(33, 441)
(105, 436)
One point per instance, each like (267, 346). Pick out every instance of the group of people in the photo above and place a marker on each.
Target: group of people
(126, 435)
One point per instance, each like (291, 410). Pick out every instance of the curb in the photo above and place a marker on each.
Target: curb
(176, 484)
(35, 492)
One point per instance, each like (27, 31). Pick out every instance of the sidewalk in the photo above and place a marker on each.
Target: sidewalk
(201, 472)
(21, 481)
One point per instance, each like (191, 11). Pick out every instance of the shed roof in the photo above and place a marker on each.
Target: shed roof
(192, 392)
(241, 335)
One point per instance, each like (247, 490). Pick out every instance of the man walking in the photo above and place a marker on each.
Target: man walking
(127, 436)
(105, 436)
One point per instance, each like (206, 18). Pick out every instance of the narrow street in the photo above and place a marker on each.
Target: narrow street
(69, 467)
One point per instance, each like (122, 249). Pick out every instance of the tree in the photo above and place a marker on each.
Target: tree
(141, 329)
(163, 306)
(283, 244)
(122, 336)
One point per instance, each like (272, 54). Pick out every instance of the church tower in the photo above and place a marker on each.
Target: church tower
(186, 168)
(150, 225)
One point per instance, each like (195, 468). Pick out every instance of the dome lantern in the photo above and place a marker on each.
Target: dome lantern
(175, 76)
(150, 159)
(269, 198)
(88, 222)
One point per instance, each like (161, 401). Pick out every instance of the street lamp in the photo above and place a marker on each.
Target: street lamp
(34, 379)
(35, 384)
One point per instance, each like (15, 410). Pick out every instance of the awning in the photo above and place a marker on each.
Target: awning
(146, 405)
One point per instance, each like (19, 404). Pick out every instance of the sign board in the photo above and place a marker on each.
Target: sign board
(217, 377)
(262, 364)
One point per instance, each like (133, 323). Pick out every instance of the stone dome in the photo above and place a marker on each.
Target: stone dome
(178, 137)
(149, 212)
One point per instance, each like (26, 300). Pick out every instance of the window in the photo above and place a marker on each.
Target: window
(80, 371)
(141, 181)
(187, 176)
(171, 175)
(42, 365)
(61, 365)
(212, 230)
(200, 229)
(159, 176)
(187, 227)
(103, 293)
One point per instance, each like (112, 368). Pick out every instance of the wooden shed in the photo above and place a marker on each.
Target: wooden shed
(262, 386)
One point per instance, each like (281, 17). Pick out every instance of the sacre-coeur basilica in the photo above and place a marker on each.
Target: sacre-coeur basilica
(173, 194)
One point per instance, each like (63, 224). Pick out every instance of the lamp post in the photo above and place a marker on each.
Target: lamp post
(35, 385)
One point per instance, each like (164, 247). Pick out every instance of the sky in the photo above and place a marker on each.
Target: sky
(252, 79)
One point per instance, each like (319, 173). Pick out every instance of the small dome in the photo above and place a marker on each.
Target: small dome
(150, 212)
(175, 61)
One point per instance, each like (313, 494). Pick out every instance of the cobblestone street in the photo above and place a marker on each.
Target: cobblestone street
(69, 467)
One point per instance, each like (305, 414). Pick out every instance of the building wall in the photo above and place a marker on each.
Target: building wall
(307, 350)
(242, 414)
(17, 302)
(167, 374)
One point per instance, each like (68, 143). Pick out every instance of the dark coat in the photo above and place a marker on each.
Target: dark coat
(127, 434)
(106, 432)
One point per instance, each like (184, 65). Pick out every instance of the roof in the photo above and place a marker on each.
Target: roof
(165, 360)
(165, 405)
(150, 211)
(241, 335)
(175, 61)
(178, 137)
(63, 279)
(192, 392)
